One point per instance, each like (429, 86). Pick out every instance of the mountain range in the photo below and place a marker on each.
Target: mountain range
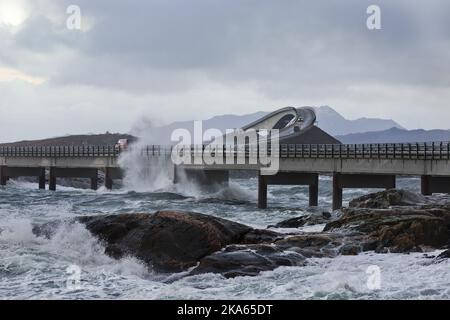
(328, 120)
(362, 130)
(396, 135)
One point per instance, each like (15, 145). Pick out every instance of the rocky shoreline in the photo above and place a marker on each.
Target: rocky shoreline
(173, 241)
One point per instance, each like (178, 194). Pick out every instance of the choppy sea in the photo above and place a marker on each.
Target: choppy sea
(72, 265)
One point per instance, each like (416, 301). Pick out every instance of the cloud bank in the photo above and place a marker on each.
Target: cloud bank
(174, 60)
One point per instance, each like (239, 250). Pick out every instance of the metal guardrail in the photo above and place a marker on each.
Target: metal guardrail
(60, 151)
(409, 151)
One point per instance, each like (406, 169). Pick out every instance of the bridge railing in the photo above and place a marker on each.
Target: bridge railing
(406, 151)
(60, 151)
(409, 151)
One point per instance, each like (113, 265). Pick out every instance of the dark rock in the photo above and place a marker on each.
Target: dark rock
(309, 240)
(381, 249)
(260, 236)
(312, 245)
(444, 255)
(350, 250)
(307, 220)
(399, 229)
(172, 241)
(169, 241)
(247, 260)
(291, 223)
(326, 215)
(370, 245)
(387, 198)
(46, 230)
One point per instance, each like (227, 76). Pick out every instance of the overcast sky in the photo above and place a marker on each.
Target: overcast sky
(164, 60)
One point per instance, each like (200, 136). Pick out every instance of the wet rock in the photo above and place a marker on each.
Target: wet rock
(312, 245)
(307, 220)
(350, 250)
(444, 255)
(326, 215)
(369, 245)
(170, 241)
(46, 230)
(247, 260)
(260, 236)
(387, 198)
(398, 229)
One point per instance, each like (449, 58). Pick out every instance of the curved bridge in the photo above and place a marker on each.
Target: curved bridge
(352, 166)
(289, 121)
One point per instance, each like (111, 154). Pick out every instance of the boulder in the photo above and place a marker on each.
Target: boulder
(350, 249)
(247, 260)
(306, 220)
(444, 255)
(260, 236)
(397, 229)
(174, 241)
(312, 244)
(388, 198)
(170, 241)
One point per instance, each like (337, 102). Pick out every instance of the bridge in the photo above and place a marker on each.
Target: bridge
(351, 166)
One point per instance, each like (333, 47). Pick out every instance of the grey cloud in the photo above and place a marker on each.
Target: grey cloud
(134, 44)
(299, 42)
(271, 51)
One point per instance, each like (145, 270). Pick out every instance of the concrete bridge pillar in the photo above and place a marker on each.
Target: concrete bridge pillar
(425, 185)
(337, 192)
(288, 178)
(42, 179)
(3, 176)
(90, 173)
(434, 184)
(94, 183)
(108, 179)
(314, 193)
(52, 179)
(341, 181)
(112, 173)
(7, 172)
(262, 191)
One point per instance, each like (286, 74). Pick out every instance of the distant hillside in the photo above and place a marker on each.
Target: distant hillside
(395, 135)
(327, 119)
(74, 140)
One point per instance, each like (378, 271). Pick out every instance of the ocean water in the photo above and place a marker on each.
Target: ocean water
(72, 265)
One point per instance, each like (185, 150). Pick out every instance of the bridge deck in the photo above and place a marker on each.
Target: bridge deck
(405, 159)
(368, 165)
